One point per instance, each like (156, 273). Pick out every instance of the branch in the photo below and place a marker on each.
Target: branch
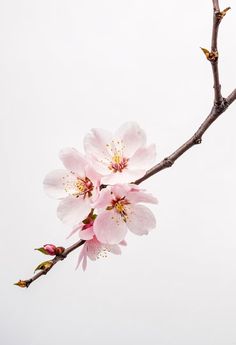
(53, 262)
(167, 162)
(220, 103)
(219, 106)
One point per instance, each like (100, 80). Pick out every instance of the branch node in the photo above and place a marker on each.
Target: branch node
(168, 162)
(220, 107)
(212, 56)
(220, 14)
(198, 141)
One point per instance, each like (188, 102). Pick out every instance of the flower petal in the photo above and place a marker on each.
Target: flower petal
(132, 137)
(75, 229)
(82, 257)
(104, 199)
(86, 234)
(109, 228)
(71, 209)
(141, 220)
(53, 184)
(136, 196)
(73, 160)
(114, 249)
(144, 157)
(123, 243)
(95, 144)
(126, 176)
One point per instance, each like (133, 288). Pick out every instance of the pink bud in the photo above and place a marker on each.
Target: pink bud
(50, 249)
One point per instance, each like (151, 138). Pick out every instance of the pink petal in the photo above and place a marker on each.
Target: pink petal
(123, 243)
(80, 258)
(104, 199)
(84, 263)
(73, 161)
(126, 176)
(86, 234)
(95, 144)
(93, 175)
(141, 220)
(75, 229)
(132, 137)
(83, 258)
(114, 249)
(53, 184)
(109, 228)
(144, 157)
(71, 209)
(141, 196)
(94, 248)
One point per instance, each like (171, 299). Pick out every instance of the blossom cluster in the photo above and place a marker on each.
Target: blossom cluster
(96, 193)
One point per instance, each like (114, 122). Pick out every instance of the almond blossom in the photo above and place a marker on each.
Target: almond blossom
(121, 157)
(93, 249)
(76, 186)
(119, 210)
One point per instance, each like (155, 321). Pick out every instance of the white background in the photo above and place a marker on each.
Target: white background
(68, 66)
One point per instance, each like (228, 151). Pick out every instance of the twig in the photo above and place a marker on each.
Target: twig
(167, 162)
(219, 106)
(54, 261)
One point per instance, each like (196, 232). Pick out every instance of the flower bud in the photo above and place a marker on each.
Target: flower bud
(211, 56)
(21, 283)
(51, 249)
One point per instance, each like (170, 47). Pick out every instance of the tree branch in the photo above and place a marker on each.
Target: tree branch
(219, 106)
(55, 260)
(217, 17)
(167, 162)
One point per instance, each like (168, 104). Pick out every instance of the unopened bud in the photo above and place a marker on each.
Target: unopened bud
(44, 266)
(221, 14)
(51, 249)
(21, 283)
(211, 56)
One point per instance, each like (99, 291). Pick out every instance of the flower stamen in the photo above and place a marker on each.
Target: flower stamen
(80, 187)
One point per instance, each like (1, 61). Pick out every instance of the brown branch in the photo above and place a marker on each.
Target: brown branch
(167, 162)
(217, 17)
(55, 260)
(220, 105)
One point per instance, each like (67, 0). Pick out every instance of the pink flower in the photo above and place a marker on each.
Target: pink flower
(93, 249)
(77, 186)
(85, 228)
(119, 210)
(122, 157)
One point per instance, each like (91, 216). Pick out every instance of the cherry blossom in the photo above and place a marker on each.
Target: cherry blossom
(119, 209)
(121, 157)
(93, 249)
(76, 187)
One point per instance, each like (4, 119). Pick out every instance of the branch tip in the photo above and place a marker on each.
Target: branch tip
(220, 14)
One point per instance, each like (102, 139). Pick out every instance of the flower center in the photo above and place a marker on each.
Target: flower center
(102, 253)
(120, 206)
(80, 187)
(84, 187)
(118, 163)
